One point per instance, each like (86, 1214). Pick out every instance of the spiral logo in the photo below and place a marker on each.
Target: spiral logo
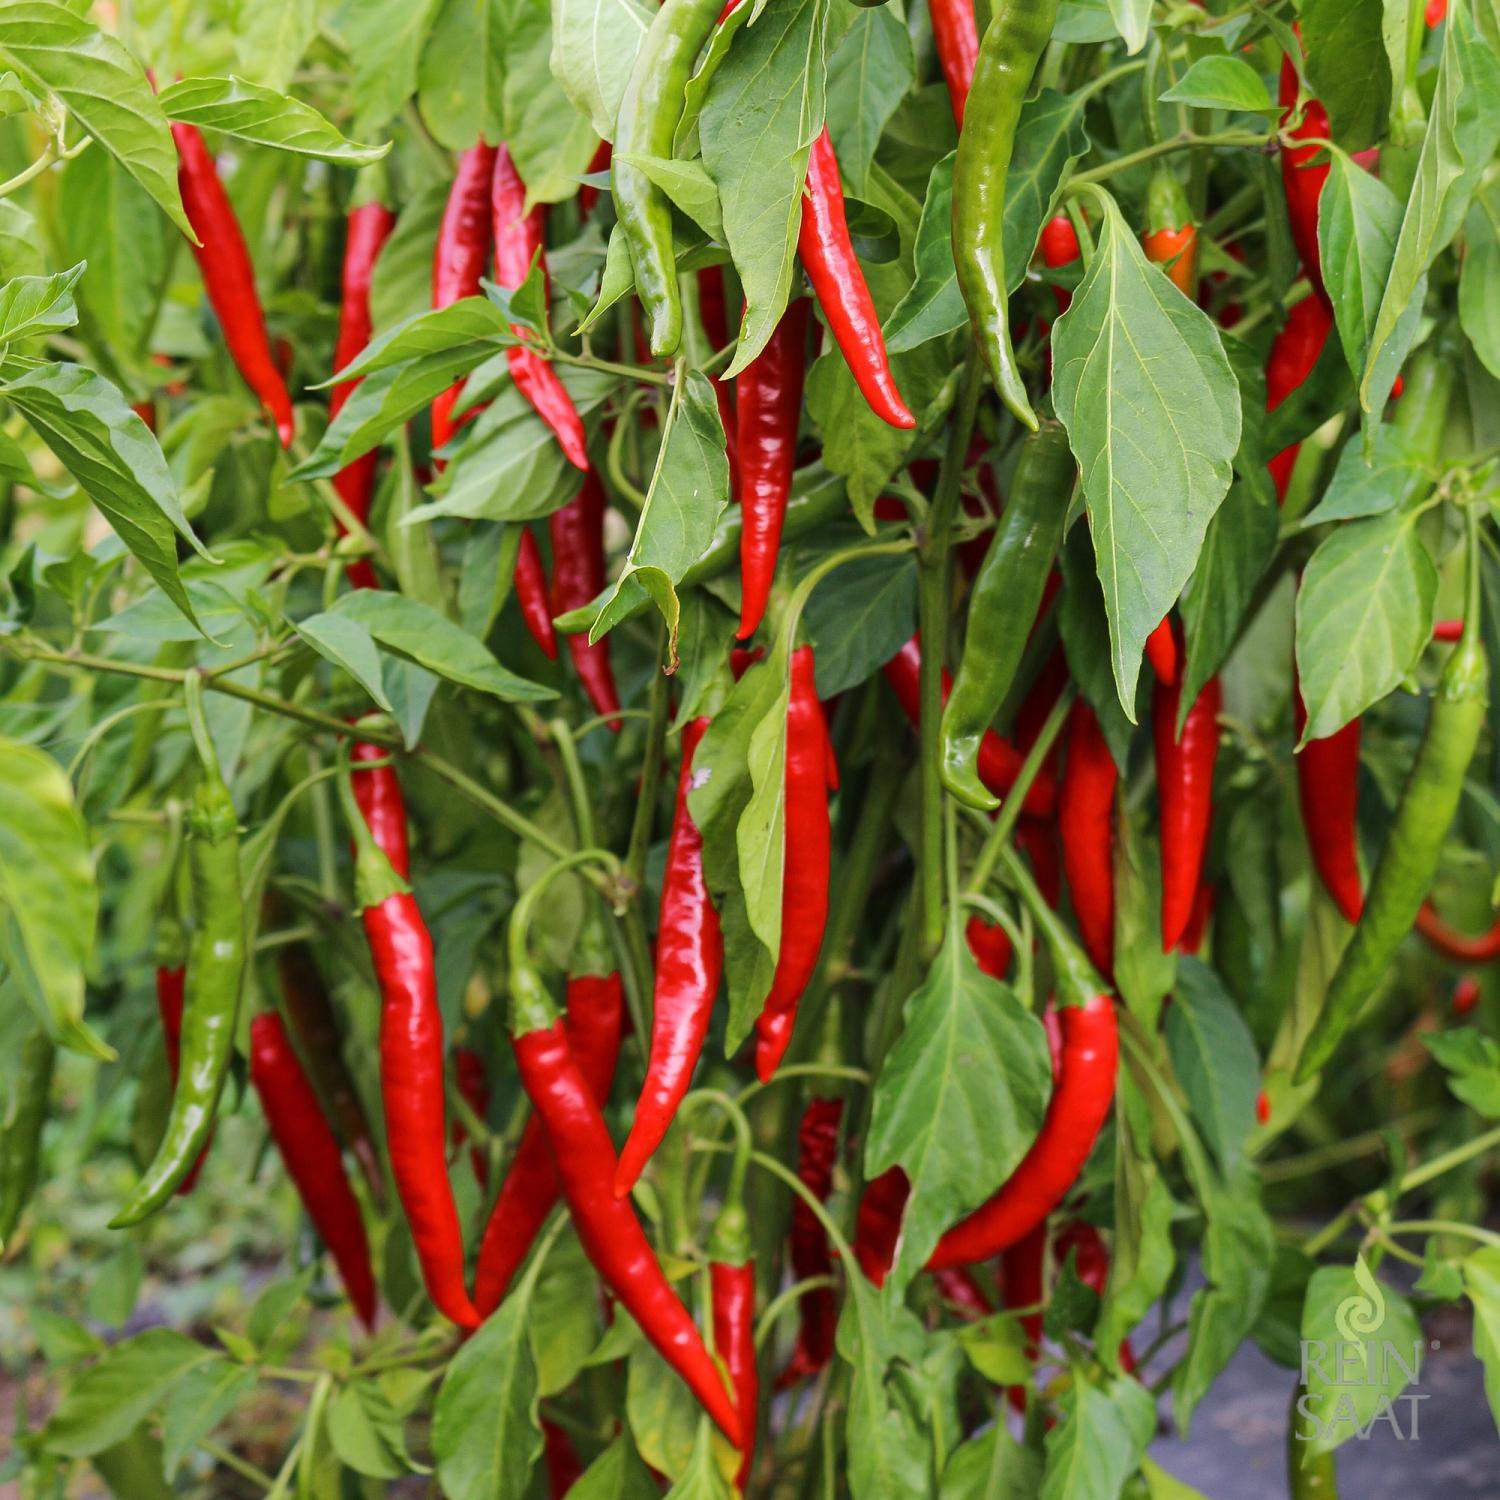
(1360, 1316)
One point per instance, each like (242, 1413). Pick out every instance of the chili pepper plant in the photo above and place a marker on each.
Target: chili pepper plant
(762, 730)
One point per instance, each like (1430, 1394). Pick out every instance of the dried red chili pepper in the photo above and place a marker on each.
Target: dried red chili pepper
(828, 257)
(1185, 786)
(1086, 821)
(171, 982)
(577, 532)
(519, 242)
(768, 407)
(531, 594)
(805, 863)
(956, 39)
(999, 761)
(474, 1090)
(311, 1154)
(366, 230)
(462, 256)
(530, 1190)
(689, 960)
(817, 1149)
(229, 277)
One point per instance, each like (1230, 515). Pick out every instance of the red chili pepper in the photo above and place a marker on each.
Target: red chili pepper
(1328, 789)
(474, 1089)
(1171, 237)
(817, 1148)
(1086, 821)
(577, 532)
(963, 1293)
(411, 1062)
(530, 1190)
(1059, 245)
(877, 1224)
(518, 243)
(378, 793)
(1037, 839)
(366, 231)
(1091, 1264)
(999, 761)
(583, 1157)
(1036, 707)
(1203, 911)
(1461, 947)
(731, 1273)
(1023, 1285)
(462, 256)
(689, 960)
(1262, 1108)
(311, 1154)
(1447, 630)
(1293, 354)
(956, 39)
(1301, 181)
(805, 864)
(1161, 651)
(713, 308)
(531, 594)
(990, 944)
(1465, 996)
(768, 403)
(598, 162)
(1435, 12)
(1185, 786)
(839, 284)
(563, 1468)
(229, 277)
(170, 985)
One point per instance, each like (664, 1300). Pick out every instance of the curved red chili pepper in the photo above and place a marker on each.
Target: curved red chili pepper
(805, 864)
(311, 1154)
(1086, 821)
(956, 39)
(366, 231)
(689, 960)
(474, 1089)
(530, 1191)
(170, 995)
(768, 404)
(531, 594)
(519, 242)
(1077, 1110)
(999, 761)
(563, 1467)
(229, 277)
(1185, 787)
(461, 257)
(1328, 790)
(577, 532)
(877, 1223)
(584, 1158)
(733, 1295)
(990, 944)
(838, 283)
(817, 1147)
(1461, 947)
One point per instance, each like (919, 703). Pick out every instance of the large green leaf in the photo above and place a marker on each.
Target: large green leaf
(1390, 476)
(617, 1474)
(1100, 1440)
(461, 77)
(594, 43)
(1478, 307)
(1152, 409)
(992, 1465)
(959, 1100)
(550, 141)
(1347, 66)
(869, 71)
(271, 36)
(1214, 1058)
(33, 306)
(265, 118)
(385, 39)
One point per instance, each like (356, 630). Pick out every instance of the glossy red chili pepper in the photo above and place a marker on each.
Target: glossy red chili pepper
(1447, 630)
(1465, 996)
(474, 1089)
(311, 1153)
(1328, 790)
(1059, 246)
(877, 1224)
(1086, 821)
(1302, 182)
(805, 864)
(1171, 238)
(531, 594)
(366, 231)
(817, 1148)
(956, 39)
(839, 284)
(1435, 12)
(1294, 352)
(1161, 651)
(1461, 947)
(411, 1066)
(170, 991)
(999, 761)
(713, 309)
(1185, 786)
(563, 1467)
(689, 961)
(530, 1191)
(577, 532)
(229, 277)
(462, 256)
(990, 944)
(584, 1158)
(732, 1286)
(768, 407)
(519, 242)
(378, 793)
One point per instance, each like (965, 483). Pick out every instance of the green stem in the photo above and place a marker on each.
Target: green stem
(232, 1461)
(782, 1301)
(1443, 1226)
(1164, 148)
(578, 795)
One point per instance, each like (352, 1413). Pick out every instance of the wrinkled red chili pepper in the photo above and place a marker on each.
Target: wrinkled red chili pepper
(828, 257)
(518, 243)
(999, 761)
(689, 960)
(229, 277)
(1086, 821)
(956, 39)
(1185, 785)
(817, 1148)
(768, 408)
(805, 863)
(474, 1089)
(990, 944)
(577, 532)
(311, 1153)
(529, 1190)
(170, 990)
(366, 231)
(462, 256)
(531, 594)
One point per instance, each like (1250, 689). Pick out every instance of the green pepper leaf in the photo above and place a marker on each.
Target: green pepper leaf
(263, 117)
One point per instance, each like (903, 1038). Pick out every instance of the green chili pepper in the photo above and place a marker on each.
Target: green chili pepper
(1007, 594)
(650, 111)
(1017, 34)
(1409, 859)
(1310, 1474)
(215, 977)
(21, 1129)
